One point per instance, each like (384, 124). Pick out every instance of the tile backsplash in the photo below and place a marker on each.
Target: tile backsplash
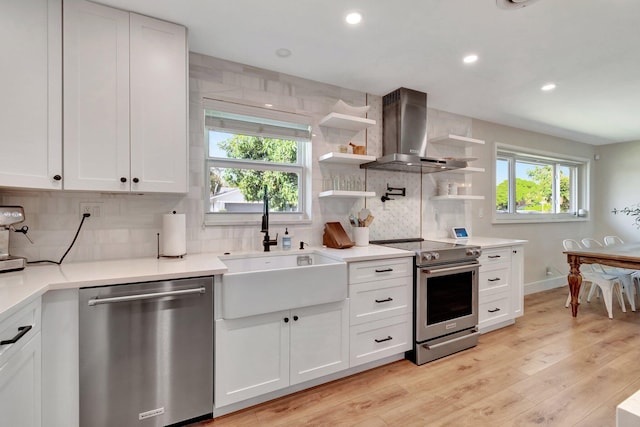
(129, 223)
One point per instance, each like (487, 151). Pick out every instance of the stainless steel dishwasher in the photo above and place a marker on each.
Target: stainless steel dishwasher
(146, 353)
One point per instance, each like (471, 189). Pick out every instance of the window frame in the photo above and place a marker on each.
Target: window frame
(302, 168)
(580, 184)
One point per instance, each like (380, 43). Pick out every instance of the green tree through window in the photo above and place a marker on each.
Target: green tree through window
(282, 186)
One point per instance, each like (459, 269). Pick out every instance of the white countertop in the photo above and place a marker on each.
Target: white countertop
(22, 286)
(485, 242)
(364, 253)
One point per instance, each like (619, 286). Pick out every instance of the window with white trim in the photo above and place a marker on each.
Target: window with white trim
(532, 186)
(247, 149)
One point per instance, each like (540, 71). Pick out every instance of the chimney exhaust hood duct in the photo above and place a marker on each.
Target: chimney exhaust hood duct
(404, 141)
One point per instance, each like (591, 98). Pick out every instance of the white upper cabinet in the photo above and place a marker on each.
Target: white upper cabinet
(31, 102)
(125, 101)
(158, 105)
(96, 97)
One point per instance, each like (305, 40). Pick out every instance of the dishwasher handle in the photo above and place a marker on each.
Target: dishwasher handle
(136, 297)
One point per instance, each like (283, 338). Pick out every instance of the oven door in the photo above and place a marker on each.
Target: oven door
(446, 300)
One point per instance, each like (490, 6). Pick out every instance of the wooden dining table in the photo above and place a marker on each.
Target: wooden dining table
(625, 255)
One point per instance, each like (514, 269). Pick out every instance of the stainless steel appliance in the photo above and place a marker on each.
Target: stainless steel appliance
(404, 141)
(146, 353)
(9, 215)
(445, 298)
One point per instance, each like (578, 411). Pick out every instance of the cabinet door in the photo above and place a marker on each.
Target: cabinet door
(251, 357)
(517, 280)
(96, 97)
(20, 380)
(319, 341)
(158, 106)
(31, 88)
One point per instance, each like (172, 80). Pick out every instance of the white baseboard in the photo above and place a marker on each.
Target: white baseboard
(545, 285)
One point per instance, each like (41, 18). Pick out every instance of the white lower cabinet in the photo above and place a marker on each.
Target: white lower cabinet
(259, 354)
(381, 300)
(20, 368)
(501, 287)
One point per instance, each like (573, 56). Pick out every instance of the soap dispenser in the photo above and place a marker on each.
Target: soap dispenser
(286, 240)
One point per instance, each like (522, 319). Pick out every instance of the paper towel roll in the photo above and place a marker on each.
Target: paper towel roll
(174, 235)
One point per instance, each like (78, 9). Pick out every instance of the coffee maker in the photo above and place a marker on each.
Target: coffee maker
(9, 215)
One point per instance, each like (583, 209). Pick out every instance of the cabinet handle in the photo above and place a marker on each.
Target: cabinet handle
(57, 177)
(295, 318)
(493, 280)
(388, 338)
(384, 270)
(136, 180)
(22, 330)
(379, 301)
(515, 252)
(493, 256)
(123, 179)
(494, 310)
(286, 320)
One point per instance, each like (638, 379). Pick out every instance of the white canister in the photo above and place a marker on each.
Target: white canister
(361, 236)
(453, 188)
(443, 188)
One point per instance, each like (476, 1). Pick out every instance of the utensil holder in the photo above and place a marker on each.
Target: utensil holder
(361, 236)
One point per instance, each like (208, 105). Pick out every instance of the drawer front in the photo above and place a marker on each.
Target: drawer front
(495, 278)
(17, 326)
(367, 271)
(379, 339)
(494, 256)
(378, 300)
(495, 309)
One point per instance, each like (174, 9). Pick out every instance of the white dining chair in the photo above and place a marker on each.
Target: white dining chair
(612, 240)
(635, 274)
(625, 275)
(606, 283)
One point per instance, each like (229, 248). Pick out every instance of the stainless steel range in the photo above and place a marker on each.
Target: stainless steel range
(445, 298)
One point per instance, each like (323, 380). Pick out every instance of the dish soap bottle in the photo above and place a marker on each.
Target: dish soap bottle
(286, 240)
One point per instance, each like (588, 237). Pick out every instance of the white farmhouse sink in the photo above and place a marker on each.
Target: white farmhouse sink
(264, 283)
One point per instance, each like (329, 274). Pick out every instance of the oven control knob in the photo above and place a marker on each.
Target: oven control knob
(430, 256)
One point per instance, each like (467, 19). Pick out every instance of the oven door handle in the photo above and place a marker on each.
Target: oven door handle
(451, 269)
(434, 346)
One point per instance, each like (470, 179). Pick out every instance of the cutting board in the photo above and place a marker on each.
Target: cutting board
(335, 237)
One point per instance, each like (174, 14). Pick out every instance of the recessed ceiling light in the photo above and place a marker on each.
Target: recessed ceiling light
(548, 86)
(268, 105)
(283, 52)
(353, 18)
(470, 59)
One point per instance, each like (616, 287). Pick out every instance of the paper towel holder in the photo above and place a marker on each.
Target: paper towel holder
(164, 256)
(158, 254)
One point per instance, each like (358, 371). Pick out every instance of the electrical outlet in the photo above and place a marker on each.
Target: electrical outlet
(92, 208)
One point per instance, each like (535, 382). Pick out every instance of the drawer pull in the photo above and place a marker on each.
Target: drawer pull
(380, 301)
(22, 330)
(384, 270)
(494, 310)
(388, 338)
(493, 256)
(494, 280)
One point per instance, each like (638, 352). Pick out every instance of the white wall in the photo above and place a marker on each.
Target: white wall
(617, 183)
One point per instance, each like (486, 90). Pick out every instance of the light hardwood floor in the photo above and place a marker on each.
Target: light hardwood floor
(547, 369)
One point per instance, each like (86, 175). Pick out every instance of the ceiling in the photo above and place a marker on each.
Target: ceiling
(589, 48)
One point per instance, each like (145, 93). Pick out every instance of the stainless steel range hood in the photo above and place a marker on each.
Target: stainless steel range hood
(404, 143)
